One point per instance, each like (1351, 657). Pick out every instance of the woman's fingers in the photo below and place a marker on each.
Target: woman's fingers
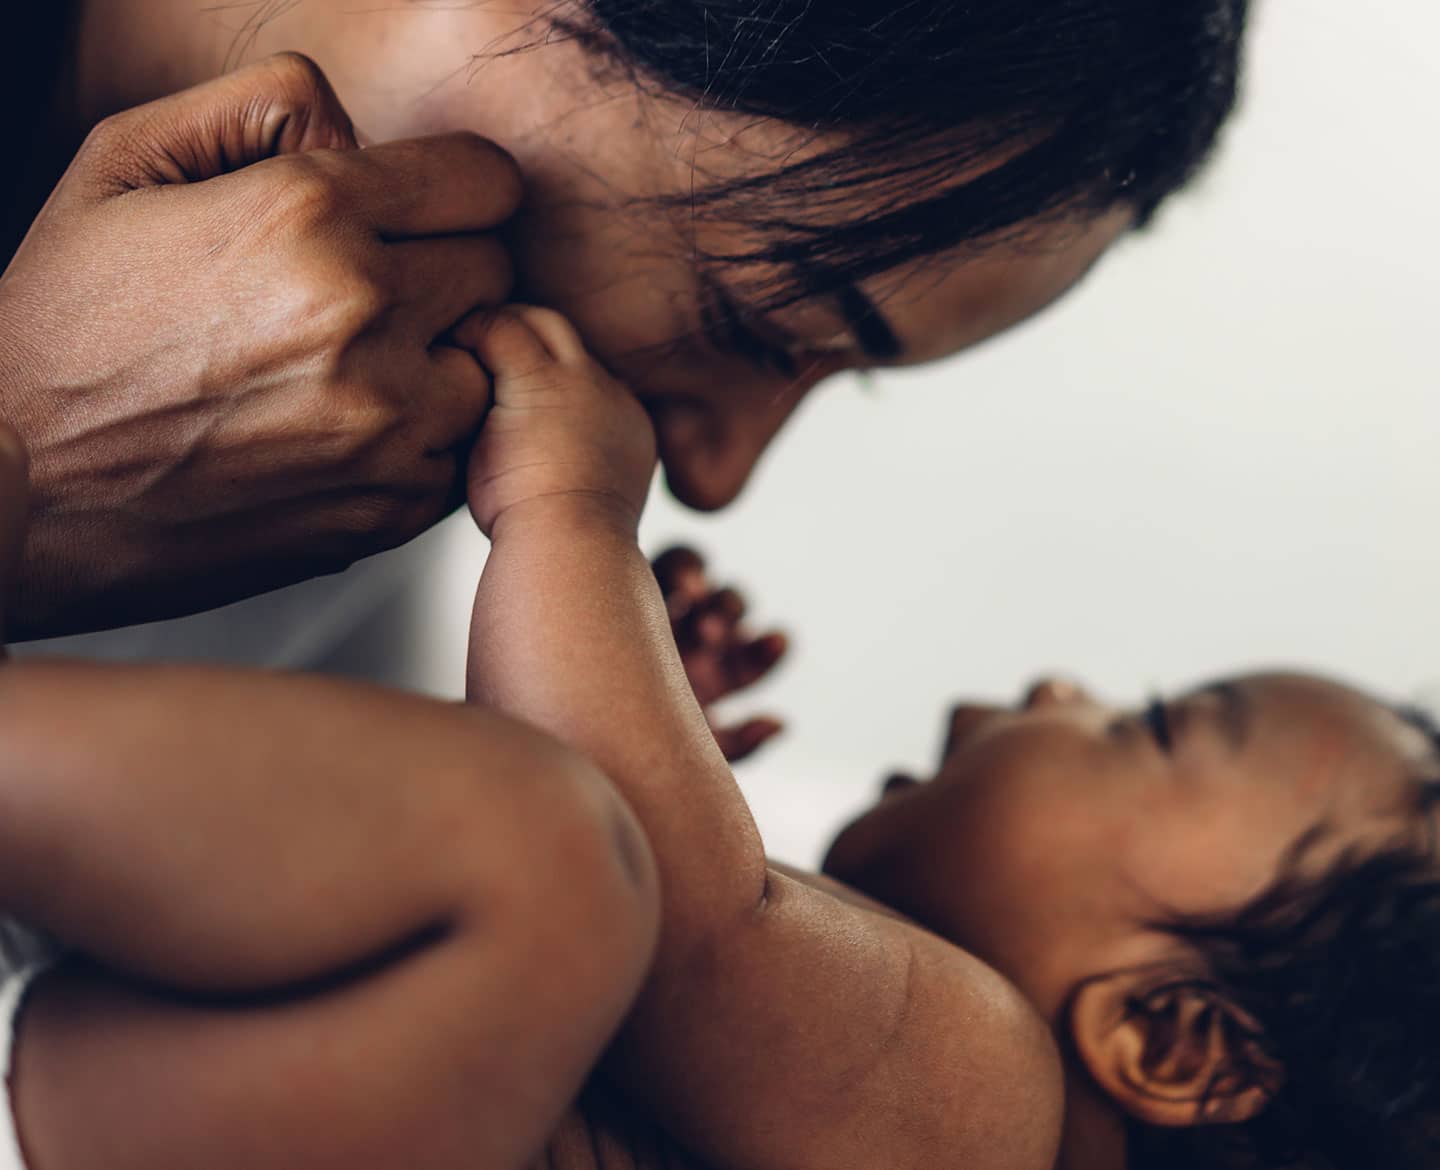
(444, 185)
(439, 282)
(460, 394)
(281, 105)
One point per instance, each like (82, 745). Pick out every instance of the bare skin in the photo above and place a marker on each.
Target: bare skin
(426, 937)
(287, 401)
(223, 341)
(907, 1010)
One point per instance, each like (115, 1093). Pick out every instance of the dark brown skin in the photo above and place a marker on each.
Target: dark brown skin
(484, 911)
(436, 844)
(249, 383)
(223, 343)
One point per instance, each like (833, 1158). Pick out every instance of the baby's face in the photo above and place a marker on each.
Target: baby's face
(1059, 833)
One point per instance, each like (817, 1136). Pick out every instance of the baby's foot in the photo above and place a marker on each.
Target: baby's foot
(560, 426)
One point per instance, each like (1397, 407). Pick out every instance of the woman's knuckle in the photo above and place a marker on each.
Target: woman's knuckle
(109, 137)
(305, 191)
(503, 183)
(296, 77)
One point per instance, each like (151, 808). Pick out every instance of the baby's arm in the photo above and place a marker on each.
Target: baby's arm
(569, 629)
(312, 924)
(781, 1029)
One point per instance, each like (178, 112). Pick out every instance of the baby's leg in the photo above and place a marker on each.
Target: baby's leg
(325, 926)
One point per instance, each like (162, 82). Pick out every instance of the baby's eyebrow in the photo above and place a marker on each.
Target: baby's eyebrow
(1236, 712)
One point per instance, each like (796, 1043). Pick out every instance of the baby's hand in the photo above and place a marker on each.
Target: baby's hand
(560, 428)
(721, 656)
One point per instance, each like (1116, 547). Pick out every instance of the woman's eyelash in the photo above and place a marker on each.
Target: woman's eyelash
(1157, 720)
(726, 327)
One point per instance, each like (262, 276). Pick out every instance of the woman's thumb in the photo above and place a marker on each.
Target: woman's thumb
(280, 105)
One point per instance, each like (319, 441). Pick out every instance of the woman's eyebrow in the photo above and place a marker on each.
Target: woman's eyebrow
(872, 332)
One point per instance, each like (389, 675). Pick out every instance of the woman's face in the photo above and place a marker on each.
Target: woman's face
(597, 151)
(1056, 833)
(718, 396)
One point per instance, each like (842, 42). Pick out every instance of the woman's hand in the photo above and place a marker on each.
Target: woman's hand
(14, 507)
(720, 654)
(223, 344)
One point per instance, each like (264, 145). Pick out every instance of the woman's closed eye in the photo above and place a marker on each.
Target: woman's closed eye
(731, 329)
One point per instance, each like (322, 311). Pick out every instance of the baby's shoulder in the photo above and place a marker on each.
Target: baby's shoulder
(967, 1073)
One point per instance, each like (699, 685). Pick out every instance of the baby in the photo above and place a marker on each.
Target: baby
(309, 924)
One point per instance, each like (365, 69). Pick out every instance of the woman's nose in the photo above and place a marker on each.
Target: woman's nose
(707, 472)
(1053, 692)
(709, 446)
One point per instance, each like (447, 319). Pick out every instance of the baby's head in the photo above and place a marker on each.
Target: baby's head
(1227, 906)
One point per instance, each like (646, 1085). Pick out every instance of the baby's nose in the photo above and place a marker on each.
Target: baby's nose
(1053, 692)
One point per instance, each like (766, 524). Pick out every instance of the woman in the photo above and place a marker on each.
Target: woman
(731, 202)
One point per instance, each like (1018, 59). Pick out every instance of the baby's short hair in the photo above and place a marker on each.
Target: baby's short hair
(1342, 974)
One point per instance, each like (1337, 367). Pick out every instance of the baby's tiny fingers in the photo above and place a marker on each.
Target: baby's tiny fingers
(738, 742)
(717, 617)
(753, 660)
(555, 331)
(680, 573)
(678, 558)
(504, 342)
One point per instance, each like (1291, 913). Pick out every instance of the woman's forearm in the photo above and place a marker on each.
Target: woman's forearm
(570, 633)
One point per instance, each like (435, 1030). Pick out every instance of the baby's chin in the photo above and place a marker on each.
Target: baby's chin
(857, 850)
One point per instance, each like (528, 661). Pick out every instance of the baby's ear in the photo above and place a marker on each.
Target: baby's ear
(1172, 1052)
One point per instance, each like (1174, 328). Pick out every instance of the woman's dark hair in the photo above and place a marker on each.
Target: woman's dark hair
(1342, 975)
(957, 121)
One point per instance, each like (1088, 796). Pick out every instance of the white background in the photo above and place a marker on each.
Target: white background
(1221, 452)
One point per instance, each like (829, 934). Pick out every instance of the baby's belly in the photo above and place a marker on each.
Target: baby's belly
(603, 1134)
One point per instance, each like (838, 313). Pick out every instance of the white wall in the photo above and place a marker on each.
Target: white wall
(1221, 452)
